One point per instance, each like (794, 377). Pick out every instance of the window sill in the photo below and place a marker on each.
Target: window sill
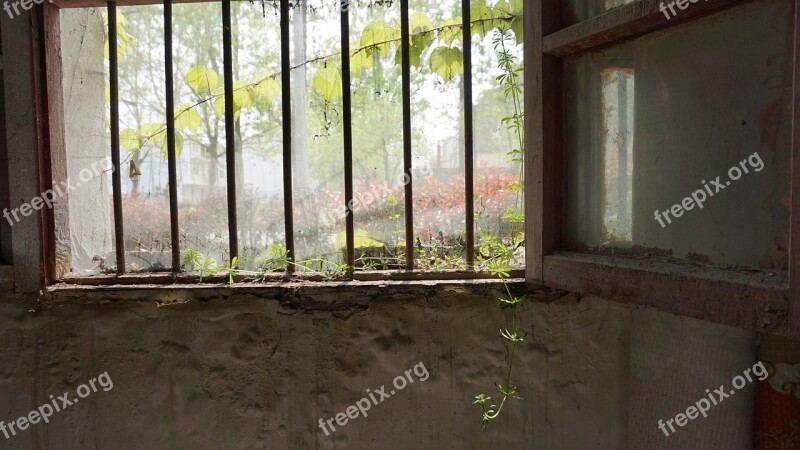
(168, 278)
(296, 294)
(755, 300)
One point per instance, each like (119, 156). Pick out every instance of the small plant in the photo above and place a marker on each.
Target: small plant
(277, 261)
(232, 268)
(335, 270)
(366, 262)
(204, 265)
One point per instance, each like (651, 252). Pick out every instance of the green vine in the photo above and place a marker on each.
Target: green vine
(498, 255)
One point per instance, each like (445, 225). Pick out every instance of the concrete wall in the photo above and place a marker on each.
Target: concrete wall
(248, 372)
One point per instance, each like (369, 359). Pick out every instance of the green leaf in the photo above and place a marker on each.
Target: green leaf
(202, 81)
(241, 99)
(502, 8)
(188, 119)
(328, 83)
(376, 37)
(447, 62)
(453, 32)
(178, 146)
(219, 101)
(153, 133)
(415, 55)
(517, 28)
(268, 88)
(420, 29)
(124, 40)
(241, 96)
(482, 13)
(419, 22)
(130, 140)
(516, 7)
(481, 399)
(361, 60)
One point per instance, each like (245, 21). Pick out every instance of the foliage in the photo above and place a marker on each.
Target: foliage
(377, 39)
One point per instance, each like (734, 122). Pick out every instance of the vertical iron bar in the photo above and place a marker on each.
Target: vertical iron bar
(171, 152)
(348, 133)
(469, 141)
(113, 65)
(286, 78)
(407, 161)
(230, 128)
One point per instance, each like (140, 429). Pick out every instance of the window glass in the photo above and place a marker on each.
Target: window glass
(664, 158)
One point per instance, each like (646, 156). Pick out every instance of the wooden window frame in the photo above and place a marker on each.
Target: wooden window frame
(747, 302)
(5, 227)
(6, 270)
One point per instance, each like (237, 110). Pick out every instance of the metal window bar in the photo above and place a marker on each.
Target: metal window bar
(230, 128)
(407, 161)
(286, 80)
(347, 116)
(113, 67)
(171, 153)
(469, 142)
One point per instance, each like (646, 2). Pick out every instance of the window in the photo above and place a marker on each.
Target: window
(667, 154)
(617, 127)
(244, 135)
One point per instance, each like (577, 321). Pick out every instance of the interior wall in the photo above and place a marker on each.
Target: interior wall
(248, 372)
(674, 360)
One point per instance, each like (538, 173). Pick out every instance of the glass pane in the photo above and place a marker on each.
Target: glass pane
(661, 160)
(378, 181)
(437, 97)
(145, 176)
(317, 138)
(259, 136)
(202, 176)
(497, 97)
